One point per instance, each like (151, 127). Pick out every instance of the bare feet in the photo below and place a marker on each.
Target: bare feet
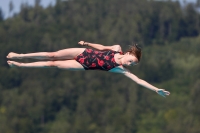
(13, 55)
(13, 63)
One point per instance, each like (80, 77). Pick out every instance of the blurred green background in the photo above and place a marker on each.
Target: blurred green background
(58, 101)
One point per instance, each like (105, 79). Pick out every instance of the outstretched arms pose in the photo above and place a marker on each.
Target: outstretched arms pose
(64, 59)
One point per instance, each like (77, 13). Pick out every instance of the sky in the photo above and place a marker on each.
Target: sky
(4, 5)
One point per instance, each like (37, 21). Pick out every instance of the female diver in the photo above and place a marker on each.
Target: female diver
(107, 58)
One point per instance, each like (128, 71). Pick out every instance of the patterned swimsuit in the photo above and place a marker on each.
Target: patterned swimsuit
(97, 60)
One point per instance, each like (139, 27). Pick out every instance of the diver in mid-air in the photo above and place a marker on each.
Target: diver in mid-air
(106, 58)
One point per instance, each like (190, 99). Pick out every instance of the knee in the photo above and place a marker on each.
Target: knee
(51, 64)
(51, 55)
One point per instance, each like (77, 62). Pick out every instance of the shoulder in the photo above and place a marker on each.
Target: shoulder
(119, 69)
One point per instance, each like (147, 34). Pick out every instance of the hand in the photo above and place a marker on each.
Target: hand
(163, 92)
(81, 43)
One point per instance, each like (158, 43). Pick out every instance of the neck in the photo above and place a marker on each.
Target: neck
(118, 58)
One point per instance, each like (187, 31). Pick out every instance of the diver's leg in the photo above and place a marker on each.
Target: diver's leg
(67, 64)
(64, 54)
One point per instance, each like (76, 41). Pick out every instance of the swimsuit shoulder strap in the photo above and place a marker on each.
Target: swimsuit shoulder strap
(119, 52)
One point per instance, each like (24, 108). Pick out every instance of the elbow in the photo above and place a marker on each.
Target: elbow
(138, 81)
(117, 48)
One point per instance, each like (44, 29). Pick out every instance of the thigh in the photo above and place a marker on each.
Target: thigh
(69, 65)
(69, 53)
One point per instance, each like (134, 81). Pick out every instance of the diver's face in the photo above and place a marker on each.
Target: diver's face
(129, 60)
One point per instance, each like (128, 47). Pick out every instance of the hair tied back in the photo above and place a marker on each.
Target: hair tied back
(137, 46)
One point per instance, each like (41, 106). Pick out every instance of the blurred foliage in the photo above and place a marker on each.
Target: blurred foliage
(52, 101)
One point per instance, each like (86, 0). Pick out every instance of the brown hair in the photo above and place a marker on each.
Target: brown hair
(135, 50)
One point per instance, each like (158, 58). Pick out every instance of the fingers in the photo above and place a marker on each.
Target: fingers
(163, 93)
(167, 92)
(81, 42)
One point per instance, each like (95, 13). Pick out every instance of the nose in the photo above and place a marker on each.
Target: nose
(129, 63)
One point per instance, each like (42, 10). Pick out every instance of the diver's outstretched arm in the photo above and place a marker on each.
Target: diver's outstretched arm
(100, 46)
(141, 82)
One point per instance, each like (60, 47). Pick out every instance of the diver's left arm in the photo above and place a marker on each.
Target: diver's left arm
(141, 82)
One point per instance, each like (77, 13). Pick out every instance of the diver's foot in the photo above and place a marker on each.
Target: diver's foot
(13, 63)
(13, 55)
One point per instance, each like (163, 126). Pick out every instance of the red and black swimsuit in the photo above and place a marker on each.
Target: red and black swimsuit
(97, 60)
